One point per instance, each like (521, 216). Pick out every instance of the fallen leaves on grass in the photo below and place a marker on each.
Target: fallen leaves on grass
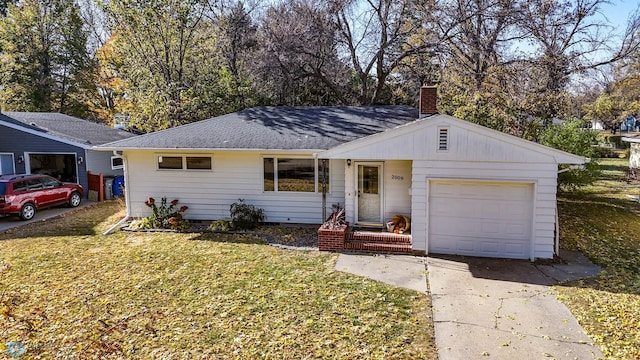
(604, 225)
(74, 293)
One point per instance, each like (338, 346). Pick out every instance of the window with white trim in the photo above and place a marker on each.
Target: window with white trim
(198, 162)
(294, 174)
(187, 162)
(117, 162)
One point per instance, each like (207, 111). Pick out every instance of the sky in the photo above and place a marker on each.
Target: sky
(618, 12)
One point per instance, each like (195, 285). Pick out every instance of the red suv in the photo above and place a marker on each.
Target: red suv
(22, 194)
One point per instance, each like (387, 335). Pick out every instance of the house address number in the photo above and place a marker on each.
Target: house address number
(397, 177)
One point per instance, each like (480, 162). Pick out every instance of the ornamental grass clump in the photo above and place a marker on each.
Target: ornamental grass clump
(336, 220)
(165, 215)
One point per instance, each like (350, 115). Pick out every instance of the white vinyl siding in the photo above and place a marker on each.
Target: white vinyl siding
(238, 174)
(397, 182)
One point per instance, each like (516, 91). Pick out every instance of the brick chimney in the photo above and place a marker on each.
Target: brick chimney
(428, 100)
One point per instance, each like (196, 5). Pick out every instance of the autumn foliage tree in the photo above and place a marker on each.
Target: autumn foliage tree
(167, 61)
(45, 65)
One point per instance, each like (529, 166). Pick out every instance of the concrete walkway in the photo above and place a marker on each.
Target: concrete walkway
(398, 270)
(489, 308)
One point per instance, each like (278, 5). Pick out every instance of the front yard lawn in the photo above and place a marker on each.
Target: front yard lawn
(67, 291)
(604, 224)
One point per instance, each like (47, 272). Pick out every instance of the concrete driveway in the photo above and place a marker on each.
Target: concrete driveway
(505, 309)
(8, 222)
(489, 308)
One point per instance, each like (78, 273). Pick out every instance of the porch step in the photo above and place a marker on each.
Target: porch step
(397, 248)
(383, 237)
(378, 242)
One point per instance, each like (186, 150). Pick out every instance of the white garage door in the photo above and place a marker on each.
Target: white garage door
(474, 218)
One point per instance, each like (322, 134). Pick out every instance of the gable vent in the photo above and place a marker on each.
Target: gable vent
(443, 139)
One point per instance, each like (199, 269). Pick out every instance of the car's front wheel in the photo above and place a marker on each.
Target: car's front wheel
(74, 199)
(28, 211)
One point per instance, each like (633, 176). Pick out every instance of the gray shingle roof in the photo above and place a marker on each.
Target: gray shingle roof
(277, 128)
(66, 127)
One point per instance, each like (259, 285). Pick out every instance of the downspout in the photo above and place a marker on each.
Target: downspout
(324, 189)
(324, 186)
(127, 198)
(557, 239)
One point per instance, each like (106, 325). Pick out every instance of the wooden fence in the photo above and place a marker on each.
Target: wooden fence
(96, 187)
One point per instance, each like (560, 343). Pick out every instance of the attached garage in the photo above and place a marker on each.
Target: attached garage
(58, 165)
(480, 218)
(57, 145)
(474, 191)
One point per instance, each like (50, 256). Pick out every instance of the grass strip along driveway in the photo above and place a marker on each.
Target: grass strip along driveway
(67, 291)
(604, 224)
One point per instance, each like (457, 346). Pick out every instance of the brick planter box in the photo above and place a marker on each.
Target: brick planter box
(332, 240)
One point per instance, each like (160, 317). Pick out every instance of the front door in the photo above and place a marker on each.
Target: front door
(369, 193)
(6, 164)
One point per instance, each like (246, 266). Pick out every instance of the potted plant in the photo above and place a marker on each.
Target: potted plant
(332, 232)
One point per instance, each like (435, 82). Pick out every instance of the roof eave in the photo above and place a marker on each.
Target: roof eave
(46, 135)
(110, 148)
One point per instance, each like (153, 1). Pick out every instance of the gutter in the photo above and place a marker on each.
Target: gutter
(573, 167)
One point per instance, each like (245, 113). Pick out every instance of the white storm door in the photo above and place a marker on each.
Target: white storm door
(369, 186)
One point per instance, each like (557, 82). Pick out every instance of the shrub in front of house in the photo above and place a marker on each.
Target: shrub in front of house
(245, 216)
(166, 215)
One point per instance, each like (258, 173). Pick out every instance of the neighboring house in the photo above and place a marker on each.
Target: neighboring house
(469, 190)
(597, 125)
(57, 145)
(634, 151)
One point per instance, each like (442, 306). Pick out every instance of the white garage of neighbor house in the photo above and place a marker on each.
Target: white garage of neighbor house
(634, 150)
(469, 190)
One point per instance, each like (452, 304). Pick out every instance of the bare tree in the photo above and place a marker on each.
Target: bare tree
(477, 35)
(378, 36)
(571, 40)
(299, 55)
